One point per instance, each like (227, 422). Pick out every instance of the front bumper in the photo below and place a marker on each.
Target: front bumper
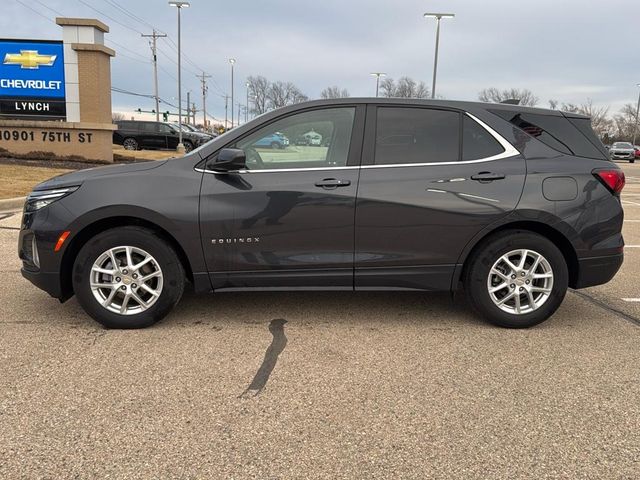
(597, 270)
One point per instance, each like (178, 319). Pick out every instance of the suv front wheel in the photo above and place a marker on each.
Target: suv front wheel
(128, 277)
(516, 279)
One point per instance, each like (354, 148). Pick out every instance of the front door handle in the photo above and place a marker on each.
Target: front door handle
(331, 183)
(487, 176)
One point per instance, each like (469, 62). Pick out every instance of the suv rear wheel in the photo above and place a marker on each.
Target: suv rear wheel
(130, 144)
(516, 279)
(188, 146)
(128, 278)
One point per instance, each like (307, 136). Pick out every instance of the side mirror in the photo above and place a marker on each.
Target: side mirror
(229, 160)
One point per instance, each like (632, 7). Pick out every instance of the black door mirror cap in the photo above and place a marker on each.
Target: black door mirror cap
(229, 160)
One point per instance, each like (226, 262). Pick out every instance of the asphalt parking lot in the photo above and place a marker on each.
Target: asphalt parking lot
(322, 385)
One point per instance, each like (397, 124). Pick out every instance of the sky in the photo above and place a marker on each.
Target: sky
(567, 50)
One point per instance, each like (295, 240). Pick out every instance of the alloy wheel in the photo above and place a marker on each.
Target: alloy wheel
(520, 281)
(126, 280)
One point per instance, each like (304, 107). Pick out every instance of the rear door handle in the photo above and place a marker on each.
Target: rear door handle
(331, 183)
(487, 176)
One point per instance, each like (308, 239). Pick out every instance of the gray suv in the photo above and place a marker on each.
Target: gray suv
(511, 205)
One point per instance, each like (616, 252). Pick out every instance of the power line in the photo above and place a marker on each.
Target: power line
(35, 11)
(132, 15)
(110, 17)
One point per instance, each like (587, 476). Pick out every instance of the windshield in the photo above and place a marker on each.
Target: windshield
(622, 145)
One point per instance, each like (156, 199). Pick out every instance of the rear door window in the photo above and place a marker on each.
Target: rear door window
(407, 135)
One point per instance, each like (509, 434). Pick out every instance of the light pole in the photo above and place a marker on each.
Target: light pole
(635, 124)
(246, 113)
(179, 6)
(378, 75)
(232, 61)
(438, 17)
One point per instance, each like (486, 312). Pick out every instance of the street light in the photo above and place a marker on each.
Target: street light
(635, 125)
(232, 61)
(437, 16)
(378, 75)
(179, 6)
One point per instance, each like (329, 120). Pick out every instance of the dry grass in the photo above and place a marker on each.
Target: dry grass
(142, 154)
(18, 180)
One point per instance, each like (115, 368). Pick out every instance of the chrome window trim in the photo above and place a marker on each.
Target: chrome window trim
(509, 151)
(274, 170)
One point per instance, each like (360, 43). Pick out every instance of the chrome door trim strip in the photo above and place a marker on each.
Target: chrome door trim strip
(274, 170)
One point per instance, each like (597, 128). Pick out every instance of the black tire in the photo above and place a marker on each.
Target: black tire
(482, 260)
(142, 238)
(275, 145)
(188, 146)
(632, 161)
(130, 144)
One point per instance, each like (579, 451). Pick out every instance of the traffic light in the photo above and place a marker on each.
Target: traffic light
(165, 116)
(139, 110)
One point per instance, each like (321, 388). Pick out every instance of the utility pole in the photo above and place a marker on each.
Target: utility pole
(239, 112)
(203, 80)
(232, 61)
(193, 113)
(154, 36)
(246, 112)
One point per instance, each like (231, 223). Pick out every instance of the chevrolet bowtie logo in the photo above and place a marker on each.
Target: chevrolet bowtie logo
(29, 59)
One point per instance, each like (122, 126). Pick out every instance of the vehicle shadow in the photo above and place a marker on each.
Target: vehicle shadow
(315, 308)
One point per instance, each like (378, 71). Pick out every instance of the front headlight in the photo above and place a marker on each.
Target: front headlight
(41, 198)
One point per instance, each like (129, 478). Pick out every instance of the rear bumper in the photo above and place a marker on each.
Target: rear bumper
(597, 270)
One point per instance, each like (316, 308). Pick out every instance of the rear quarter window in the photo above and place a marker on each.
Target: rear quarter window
(555, 131)
(477, 143)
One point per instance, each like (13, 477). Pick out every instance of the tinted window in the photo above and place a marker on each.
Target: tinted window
(166, 129)
(148, 127)
(555, 131)
(313, 139)
(416, 135)
(477, 143)
(584, 125)
(127, 125)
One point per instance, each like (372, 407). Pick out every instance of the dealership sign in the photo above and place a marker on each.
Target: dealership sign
(32, 80)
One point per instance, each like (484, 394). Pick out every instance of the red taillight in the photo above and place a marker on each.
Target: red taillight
(612, 179)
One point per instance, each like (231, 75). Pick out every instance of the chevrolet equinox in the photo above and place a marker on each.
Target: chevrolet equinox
(511, 204)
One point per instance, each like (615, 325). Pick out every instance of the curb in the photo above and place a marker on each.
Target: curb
(8, 204)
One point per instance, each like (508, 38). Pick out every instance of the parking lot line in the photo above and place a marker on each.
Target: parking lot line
(631, 299)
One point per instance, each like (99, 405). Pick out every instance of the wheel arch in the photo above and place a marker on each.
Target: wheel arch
(100, 225)
(556, 236)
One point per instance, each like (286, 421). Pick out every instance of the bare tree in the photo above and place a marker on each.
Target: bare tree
(493, 95)
(553, 104)
(405, 87)
(258, 89)
(281, 94)
(334, 92)
(600, 122)
(624, 122)
(117, 117)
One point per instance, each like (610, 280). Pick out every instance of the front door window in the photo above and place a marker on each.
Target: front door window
(312, 139)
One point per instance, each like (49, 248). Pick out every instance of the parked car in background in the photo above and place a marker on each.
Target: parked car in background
(623, 151)
(136, 135)
(314, 138)
(510, 204)
(191, 129)
(274, 140)
(637, 151)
